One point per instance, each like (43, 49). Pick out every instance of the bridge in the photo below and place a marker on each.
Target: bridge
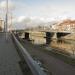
(49, 34)
(14, 58)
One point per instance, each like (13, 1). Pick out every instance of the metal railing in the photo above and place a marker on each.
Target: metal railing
(35, 68)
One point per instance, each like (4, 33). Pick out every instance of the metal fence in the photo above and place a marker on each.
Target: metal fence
(35, 68)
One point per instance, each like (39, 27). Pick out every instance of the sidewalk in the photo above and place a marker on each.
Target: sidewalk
(9, 59)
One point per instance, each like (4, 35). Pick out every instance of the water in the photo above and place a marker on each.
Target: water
(67, 46)
(38, 38)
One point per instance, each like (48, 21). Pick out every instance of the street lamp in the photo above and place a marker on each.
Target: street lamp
(6, 26)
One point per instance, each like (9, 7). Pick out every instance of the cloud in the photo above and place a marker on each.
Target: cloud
(23, 22)
(21, 18)
(11, 5)
(40, 12)
(46, 10)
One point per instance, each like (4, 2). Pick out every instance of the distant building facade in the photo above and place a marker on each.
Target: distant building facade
(66, 25)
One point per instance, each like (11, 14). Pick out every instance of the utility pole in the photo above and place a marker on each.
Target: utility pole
(11, 20)
(6, 26)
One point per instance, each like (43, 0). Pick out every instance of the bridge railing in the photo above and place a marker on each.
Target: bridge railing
(35, 68)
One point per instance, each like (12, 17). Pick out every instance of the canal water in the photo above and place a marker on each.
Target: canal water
(66, 46)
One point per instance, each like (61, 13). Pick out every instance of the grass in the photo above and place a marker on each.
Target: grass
(58, 55)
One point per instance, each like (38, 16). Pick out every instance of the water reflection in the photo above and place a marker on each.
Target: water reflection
(67, 46)
(63, 45)
(38, 40)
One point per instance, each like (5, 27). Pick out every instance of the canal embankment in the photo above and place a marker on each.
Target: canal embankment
(52, 61)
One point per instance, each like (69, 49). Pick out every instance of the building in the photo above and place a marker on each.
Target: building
(66, 25)
(1, 25)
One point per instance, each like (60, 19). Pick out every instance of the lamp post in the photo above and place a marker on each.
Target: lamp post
(6, 26)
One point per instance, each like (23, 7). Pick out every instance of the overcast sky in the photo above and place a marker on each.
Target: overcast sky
(43, 9)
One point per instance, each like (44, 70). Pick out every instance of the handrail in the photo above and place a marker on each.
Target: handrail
(35, 68)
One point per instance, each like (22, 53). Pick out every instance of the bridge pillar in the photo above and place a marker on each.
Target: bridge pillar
(54, 36)
(49, 37)
(27, 36)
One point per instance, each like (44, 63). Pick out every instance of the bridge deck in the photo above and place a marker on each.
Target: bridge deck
(9, 59)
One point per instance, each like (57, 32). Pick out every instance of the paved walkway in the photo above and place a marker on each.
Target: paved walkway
(8, 57)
